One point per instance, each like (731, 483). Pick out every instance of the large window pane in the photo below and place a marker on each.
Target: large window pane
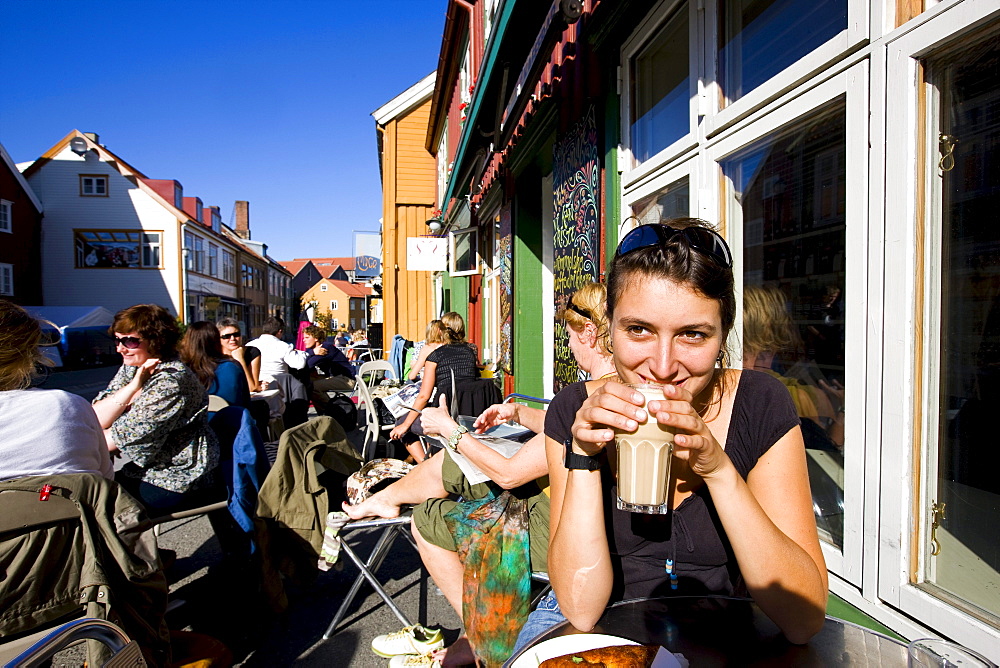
(965, 486)
(762, 37)
(791, 189)
(661, 89)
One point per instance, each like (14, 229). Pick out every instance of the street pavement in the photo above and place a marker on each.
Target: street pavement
(214, 599)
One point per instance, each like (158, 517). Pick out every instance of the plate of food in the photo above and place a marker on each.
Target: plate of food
(583, 649)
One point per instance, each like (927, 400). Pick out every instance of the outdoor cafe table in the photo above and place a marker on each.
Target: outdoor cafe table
(721, 631)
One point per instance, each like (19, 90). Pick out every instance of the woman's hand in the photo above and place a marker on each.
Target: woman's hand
(693, 441)
(142, 374)
(611, 405)
(238, 354)
(495, 415)
(437, 420)
(399, 431)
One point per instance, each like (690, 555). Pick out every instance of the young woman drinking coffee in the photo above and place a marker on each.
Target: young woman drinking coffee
(740, 518)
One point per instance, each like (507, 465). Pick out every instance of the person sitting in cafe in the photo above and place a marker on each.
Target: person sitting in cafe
(435, 337)
(454, 361)
(42, 432)
(433, 484)
(222, 376)
(155, 411)
(247, 357)
(358, 345)
(328, 369)
(741, 518)
(277, 358)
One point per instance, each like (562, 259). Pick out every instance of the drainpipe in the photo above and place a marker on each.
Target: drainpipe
(184, 275)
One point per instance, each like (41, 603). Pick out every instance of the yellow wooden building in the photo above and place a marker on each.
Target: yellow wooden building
(409, 183)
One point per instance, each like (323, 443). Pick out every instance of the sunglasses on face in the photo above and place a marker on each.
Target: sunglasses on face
(129, 342)
(699, 238)
(230, 335)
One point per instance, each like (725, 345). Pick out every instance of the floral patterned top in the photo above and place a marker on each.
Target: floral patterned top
(165, 431)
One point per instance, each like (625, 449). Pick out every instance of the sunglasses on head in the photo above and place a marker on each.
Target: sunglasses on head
(129, 342)
(230, 335)
(699, 238)
(580, 311)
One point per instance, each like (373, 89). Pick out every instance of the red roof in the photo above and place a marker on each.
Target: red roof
(322, 262)
(293, 266)
(351, 289)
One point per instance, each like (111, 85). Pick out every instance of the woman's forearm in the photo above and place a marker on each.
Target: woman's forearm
(527, 464)
(532, 418)
(783, 578)
(579, 558)
(113, 405)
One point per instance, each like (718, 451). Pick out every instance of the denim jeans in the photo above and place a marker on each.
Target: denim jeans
(542, 618)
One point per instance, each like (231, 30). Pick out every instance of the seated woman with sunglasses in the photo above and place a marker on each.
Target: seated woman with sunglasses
(247, 356)
(741, 519)
(155, 411)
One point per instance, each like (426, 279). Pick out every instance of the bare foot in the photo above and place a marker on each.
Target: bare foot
(459, 654)
(374, 506)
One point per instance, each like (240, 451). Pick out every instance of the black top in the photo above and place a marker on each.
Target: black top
(691, 534)
(250, 353)
(457, 357)
(334, 363)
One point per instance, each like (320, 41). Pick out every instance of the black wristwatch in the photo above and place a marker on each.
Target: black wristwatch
(581, 462)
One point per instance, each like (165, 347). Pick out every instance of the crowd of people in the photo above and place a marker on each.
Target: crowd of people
(740, 522)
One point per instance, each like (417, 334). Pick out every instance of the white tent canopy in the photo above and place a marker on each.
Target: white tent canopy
(66, 317)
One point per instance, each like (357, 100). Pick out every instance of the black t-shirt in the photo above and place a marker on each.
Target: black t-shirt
(457, 357)
(691, 534)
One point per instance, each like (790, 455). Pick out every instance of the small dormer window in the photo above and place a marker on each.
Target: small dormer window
(323, 287)
(216, 221)
(92, 185)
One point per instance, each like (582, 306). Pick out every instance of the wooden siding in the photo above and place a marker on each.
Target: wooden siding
(408, 192)
(57, 185)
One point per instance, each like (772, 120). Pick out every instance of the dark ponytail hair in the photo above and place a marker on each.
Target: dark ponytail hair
(201, 350)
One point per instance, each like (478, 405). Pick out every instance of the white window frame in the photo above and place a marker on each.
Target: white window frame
(323, 287)
(213, 259)
(689, 169)
(474, 247)
(146, 241)
(6, 216)
(334, 304)
(228, 266)
(901, 457)
(654, 22)
(852, 83)
(6, 279)
(93, 185)
(837, 47)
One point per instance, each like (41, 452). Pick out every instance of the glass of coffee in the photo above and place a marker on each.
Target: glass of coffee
(644, 460)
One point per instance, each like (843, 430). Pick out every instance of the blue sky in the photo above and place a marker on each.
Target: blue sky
(264, 101)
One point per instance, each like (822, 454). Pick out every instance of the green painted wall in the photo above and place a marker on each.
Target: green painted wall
(456, 296)
(527, 268)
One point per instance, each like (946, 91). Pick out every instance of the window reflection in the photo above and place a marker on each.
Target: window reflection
(661, 89)
(791, 189)
(966, 487)
(672, 201)
(760, 38)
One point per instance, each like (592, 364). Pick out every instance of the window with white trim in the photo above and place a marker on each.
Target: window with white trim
(116, 249)
(228, 266)
(5, 215)
(213, 259)
(93, 185)
(334, 305)
(6, 279)
(323, 287)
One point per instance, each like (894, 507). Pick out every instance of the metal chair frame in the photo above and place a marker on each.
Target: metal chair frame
(391, 529)
(125, 651)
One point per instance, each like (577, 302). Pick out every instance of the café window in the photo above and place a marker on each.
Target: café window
(760, 38)
(660, 88)
(959, 548)
(464, 260)
(93, 186)
(116, 249)
(791, 191)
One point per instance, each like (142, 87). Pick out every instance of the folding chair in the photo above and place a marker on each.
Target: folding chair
(124, 652)
(391, 528)
(373, 427)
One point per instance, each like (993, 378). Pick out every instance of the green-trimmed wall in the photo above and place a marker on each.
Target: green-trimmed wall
(527, 268)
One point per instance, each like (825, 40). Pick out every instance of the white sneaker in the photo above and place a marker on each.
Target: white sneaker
(411, 640)
(413, 661)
